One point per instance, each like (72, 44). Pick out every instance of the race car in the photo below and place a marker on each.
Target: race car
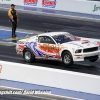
(61, 46)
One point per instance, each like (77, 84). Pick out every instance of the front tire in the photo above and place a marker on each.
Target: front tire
(67, 58)
(93, 60)
(28, 56)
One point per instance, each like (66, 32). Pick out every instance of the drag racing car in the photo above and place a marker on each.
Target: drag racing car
(61, 46)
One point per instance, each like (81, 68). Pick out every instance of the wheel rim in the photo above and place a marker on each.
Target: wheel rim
(27, 55)
(67, 59)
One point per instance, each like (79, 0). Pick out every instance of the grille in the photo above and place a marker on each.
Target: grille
(91, 57)
(90, 49)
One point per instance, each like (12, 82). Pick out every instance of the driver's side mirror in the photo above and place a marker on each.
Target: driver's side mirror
(58, 43)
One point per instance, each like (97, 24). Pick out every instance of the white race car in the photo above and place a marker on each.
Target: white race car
(61, 46)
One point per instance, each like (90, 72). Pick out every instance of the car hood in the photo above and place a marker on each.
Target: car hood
(79, 44)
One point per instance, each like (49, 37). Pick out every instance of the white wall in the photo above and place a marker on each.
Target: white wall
(77, 6)
(8, 1)
(50, 77)
(81, 6)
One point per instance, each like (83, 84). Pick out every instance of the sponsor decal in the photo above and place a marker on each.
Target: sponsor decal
(44, 50)
(96, 8)
(50, 48)
(78, 57)
(49, 3)
(98, 43)
(0, 68)
(79, 38)
(85, 41)
(31, 2)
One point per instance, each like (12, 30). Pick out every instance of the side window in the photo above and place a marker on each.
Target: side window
(45, 39)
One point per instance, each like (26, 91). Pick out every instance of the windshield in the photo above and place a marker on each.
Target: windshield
(63, 38)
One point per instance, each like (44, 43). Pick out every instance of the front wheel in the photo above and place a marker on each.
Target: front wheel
(67, 58)
(93, 60)
(28, 56)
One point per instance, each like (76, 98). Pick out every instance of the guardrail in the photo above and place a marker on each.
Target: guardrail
(14, 74)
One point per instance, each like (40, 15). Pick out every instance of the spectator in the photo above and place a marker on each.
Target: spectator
(13, 15)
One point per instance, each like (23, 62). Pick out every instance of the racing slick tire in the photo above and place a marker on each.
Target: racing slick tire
(67, 58)
(28, 56)
(93, 60)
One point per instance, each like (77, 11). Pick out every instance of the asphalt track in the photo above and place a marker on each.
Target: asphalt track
(24, 97)
(42, 23)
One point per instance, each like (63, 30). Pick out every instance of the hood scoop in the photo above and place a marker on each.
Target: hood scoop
(85, 41)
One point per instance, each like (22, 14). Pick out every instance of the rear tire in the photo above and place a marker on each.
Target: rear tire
(67, 58)
(93, 60)
(28, 56)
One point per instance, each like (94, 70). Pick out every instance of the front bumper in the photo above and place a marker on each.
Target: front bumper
(86, 56)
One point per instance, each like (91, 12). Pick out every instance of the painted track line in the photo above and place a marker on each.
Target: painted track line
(17, 31)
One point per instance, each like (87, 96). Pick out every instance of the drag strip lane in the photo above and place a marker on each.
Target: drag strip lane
(42, 23)
(8, 53)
